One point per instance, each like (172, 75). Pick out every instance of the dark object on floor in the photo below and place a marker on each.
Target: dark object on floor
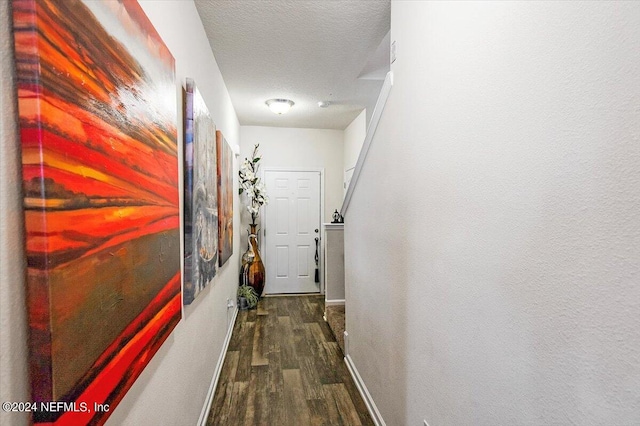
(242, 304)
(283, 367)
(335, 319)
(247, 297)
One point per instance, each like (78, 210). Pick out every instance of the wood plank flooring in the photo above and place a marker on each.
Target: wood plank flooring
(284, 367)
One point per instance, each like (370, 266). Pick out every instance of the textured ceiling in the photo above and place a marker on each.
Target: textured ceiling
(306, 51)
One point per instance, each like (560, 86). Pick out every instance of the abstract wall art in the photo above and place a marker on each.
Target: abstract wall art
(200, 196)
(225, 198)
(98, 127)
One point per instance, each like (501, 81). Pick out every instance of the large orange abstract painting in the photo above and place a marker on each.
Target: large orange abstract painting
(97, 104)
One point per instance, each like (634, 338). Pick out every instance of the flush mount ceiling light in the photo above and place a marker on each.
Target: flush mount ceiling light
(279, 106)
(324, 104)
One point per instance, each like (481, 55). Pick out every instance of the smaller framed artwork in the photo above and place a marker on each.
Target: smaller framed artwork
(225, 199)
(200, 196)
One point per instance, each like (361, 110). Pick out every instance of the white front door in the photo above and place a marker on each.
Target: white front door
(292, 221)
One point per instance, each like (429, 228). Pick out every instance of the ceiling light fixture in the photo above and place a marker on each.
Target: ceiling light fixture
(324, 104)
(279, 106)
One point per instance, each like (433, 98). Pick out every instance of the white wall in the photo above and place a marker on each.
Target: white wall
(13, 319)
(173, 387)
(334, 263)
(299, 148)
(354, 136)
(492, 244)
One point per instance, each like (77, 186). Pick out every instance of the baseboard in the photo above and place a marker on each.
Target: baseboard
(364, 392)
(216, 376)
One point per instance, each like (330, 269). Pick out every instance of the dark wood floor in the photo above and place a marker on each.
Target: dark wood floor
(284, 367)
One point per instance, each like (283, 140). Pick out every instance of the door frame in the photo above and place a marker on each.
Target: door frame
(263, 247)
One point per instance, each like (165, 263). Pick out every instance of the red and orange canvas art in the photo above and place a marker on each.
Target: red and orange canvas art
(97, 105)
(225, 198)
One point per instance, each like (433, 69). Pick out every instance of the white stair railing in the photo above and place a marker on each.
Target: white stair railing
(371, 131)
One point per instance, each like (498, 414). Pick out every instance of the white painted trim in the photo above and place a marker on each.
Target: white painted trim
(216, 376)
(364, 392)
(346, 342)
(334, 302)
(333, 226)
(321, 252)
(371, 131)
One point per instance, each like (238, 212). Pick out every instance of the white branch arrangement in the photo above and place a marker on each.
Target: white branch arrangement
(251, 185)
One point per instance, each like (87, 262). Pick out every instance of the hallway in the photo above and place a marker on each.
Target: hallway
(482, 160)
(283, 367)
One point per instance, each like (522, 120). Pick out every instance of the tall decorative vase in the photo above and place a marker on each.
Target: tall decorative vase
(255, 269)
(245, 259)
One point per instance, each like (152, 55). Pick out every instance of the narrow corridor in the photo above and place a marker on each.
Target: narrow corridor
(284, 367)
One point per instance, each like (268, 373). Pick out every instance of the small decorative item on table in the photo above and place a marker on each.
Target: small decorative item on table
(337, 217)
